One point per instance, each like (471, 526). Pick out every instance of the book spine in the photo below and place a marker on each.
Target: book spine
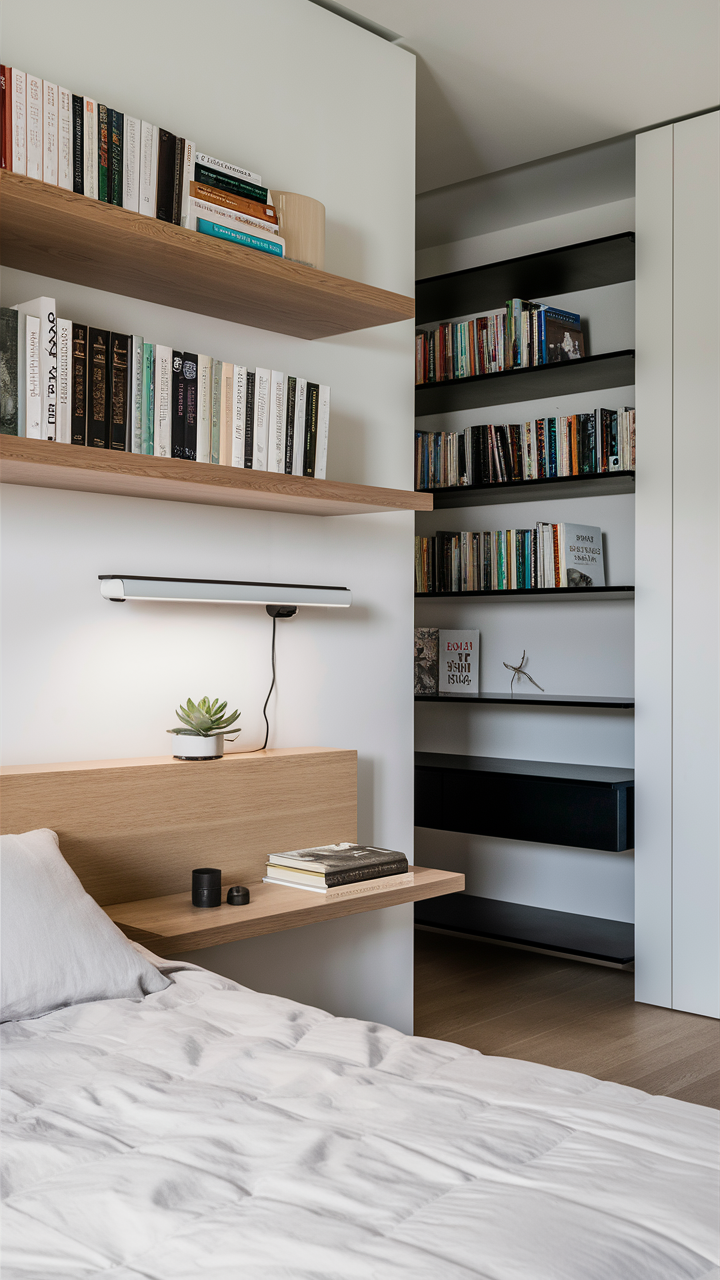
(9, 398)
(239, 411)
(18, 110)
(311, 420)
(116, 143)
(273, 245)
(5, 118)
(215, 412)
(147, 200)
(98, 417)
(289, 424)
(337, 879)
(78, 111)
(323, 429)
(299, 432)
(79, 385)
(266, 213)
(186, 178)
(226, 414)
(65, 139)
(131, 164)
(102, 132)
(148, 398)
(177, 180)
(165, 175)
(119, 360)
(135, 376)
(50, 133)
(231, 170)
(250, 419)
(190, 375)
(223, 216)
(33, 391)
(204, 408)
(276, 435)
(236, 186)
(90, 149)
(48, 368)
(261, 424)
(34, 135)
(162, 428)
(178, 406)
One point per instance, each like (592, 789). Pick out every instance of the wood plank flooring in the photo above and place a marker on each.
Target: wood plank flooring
(581, 1017)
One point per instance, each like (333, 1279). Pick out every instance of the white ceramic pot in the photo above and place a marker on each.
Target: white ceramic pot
(191, 746)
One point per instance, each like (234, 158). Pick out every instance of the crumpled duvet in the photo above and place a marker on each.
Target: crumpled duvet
(211, 1131)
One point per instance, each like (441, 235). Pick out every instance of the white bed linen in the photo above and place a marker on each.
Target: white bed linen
(210, 1131)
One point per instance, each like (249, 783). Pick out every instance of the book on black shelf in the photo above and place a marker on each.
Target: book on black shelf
(190, 376)
(98, 412)
(548, 556)
(333, 868)
(119, 399)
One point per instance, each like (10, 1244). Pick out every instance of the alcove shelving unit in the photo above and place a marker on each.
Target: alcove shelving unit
(581, 806)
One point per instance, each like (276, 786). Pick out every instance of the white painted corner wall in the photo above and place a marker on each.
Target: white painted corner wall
(324, 108)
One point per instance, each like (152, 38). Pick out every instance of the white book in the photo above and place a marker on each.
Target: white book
(226, 415)
(63, 433)
(323, 428)
(44, 310)
(261, 421)
(50, 133)
(162, 431)
(33, 397)
(18, 107)
(187, 176)
(239, 402)
(276, 434)
(459, 662)
(34, 108)
(581, 556)
(223, 167)
(230, 218)
(131, 164)
(65, 154)
(204, 408)
(299, 428)
(135, 393)
(353, 890)
(90, 149)
(149, 134)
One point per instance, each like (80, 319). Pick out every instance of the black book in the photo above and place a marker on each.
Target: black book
(78, 390)
(290, 424)
(177, 180)
(190, 374)
(485, 471)
(589, 443)
(516, 450)
(505, 451)
(78, 110)
(8, 371)
(119, 399)
(178, 406)
(226, 182)
(311, 417)
(98, 415)
(102, 131)
(116, 124)
(250, 418)
(165, 175)
(462, 459)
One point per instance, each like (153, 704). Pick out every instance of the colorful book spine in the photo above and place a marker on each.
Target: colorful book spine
(90, 146)
(116, 129)
(148, 398)
(226, 414)
(273, 245)
(135, 394)
(102, 132)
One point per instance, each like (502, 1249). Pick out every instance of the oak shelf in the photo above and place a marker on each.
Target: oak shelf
(57, 233)
(48, 465)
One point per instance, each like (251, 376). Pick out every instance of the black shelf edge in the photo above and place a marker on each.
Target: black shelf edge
(598, 775)
(591, 373)
(590, 937)
(608, 484)
(531, 699)
(589, 264)
(533, 593)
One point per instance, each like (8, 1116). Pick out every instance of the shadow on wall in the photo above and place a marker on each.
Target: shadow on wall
(344, 251)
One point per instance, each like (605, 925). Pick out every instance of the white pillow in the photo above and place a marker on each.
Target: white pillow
(58, 946)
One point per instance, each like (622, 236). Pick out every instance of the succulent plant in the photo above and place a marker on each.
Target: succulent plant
(206, 720)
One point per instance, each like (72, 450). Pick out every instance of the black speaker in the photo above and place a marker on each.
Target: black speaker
(206, 887)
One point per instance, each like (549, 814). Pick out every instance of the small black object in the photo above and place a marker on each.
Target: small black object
(281, 610)
(238, 896)
(206, 887)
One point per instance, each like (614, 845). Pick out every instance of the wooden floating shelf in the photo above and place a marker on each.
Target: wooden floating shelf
(514, 386)
(171, 924)
(534, 593)
(531, 699)
(47, 465)
(607, 484)
(57, 233)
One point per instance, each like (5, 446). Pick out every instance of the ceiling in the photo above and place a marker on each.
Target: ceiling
(501, 85)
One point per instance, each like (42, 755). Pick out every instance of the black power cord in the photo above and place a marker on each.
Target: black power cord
(275, 611)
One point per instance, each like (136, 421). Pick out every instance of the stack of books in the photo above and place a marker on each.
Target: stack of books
(80, 145)
(548, 556)
(339, 870)
(79, 384)
(520, 335)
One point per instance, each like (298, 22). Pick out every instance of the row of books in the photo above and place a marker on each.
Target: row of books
(578, 444)
(81, 145)
(520, 335)
(550, 556)
(79, 384)
(339, 870)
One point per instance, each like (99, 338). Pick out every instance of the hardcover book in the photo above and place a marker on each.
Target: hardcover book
(134, 442)
(18, 109)
(232, 170)
(239, 415)
(311, 423)
(165, 175)
(276, 441)
(148, 398)
(265, 214)
(149, 135)
(8, 371)
(563, 335)
(250, 239)
(459, 662)
(204, 407)
(63, 431)
(178, 406)
(131, 164)
(44, 310)
(34, 136)
(340, 864)
(211, 176)
(346, 889)
(290, 424)
(426, 661)
(98, 417)
(190, 376)
(50, 133)
(581, 550)
(78, 113)
(217, 366)
(79, 384)
(102, 132)
(250, 418)
(323, 431)
(162, 408)
(90, 145)
(226, 413)
(116, 125)
(299, 429)
(119, 406)
(65, 139)
(261, 423)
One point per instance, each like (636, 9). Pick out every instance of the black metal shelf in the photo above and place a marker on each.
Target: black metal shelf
(608, 484)
(533, 593)
(588, 937)
(592, 373)
(531, 699)
(590, 264)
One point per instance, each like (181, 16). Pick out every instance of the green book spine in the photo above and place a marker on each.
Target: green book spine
(8, 372)
(226, 182)
(116, 121)
(215, 418)
(148, 398)
(102, 152)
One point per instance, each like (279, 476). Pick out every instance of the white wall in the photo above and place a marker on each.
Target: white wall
(318, 107)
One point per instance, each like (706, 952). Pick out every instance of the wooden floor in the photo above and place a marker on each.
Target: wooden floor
(581, 1017)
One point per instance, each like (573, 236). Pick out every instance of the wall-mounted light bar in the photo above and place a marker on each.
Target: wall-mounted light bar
(211, 591)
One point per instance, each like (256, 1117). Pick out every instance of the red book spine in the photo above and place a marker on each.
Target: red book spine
(5, 122)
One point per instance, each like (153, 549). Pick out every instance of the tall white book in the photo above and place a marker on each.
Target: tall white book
(135, 394)
(261, 420)
(581, 556)
(276, 439)
(44, 310)
(131, 164)
(323, 428)
(50, 133)
(459, 662)
(65, 155)
(34, 154)
(147, 195)
(187, 176)
(204, 407)
(18, 108)
(299, 429)
(33, 395)
(162, 433)
(90, 149)
(63, 433)
(239, 404)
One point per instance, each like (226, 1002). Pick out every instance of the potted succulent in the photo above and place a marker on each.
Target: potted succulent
(204, 725)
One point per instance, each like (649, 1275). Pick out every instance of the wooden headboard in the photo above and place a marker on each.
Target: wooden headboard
(134, 829)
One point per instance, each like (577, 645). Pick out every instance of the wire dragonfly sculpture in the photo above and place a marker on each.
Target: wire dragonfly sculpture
(519, 670)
